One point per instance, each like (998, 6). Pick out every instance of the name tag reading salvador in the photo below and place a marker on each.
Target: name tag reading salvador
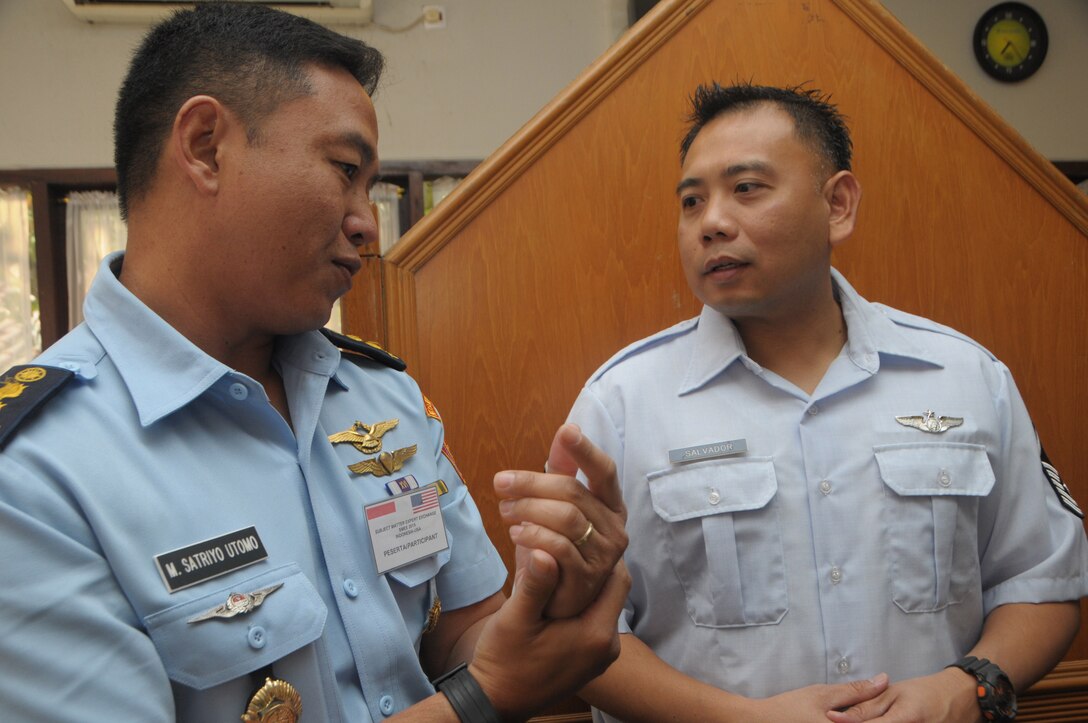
(406, 528)
(708, 451)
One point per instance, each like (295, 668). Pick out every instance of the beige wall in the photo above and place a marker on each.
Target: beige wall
(453, 93)
(461, 91)
(1050, 109)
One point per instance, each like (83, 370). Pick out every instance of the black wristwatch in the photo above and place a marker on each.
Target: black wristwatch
(996, 697)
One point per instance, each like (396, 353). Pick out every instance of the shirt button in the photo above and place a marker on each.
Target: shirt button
(350, 588)
(844, 666)
(239, 391)
(386, 704)
(257, 637)
(813, 410)
(713, 498)
(944, 479)
(825, 487)
(836, 576)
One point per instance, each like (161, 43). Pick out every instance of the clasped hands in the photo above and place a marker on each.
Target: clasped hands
(559, 628)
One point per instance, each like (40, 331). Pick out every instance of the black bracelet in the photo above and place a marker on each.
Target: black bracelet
(466, 697)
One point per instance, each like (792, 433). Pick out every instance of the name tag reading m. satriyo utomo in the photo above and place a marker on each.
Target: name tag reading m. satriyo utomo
(186, 566)
(708, 451)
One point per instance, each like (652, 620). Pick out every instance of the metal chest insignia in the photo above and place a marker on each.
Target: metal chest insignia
(276, 702)
(385, 463)
(367, 438)
(238, 603)
(930, 422)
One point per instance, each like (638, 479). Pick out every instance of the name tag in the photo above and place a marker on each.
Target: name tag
(406, 528)
(189, 565)
(708, 451)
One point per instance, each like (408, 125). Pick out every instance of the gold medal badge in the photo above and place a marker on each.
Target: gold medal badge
(276, 702)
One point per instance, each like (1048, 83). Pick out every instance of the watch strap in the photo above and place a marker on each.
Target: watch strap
(466, 697)
(990, 677)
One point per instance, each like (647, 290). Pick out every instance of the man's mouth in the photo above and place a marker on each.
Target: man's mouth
(350, 264)
(723, 265)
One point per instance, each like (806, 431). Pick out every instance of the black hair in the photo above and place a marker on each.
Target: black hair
(816, 121)
(250, 58)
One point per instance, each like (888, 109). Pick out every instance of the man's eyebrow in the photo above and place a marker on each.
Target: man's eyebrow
(686, 184)
(366, 149)
(746, 167)
(728, 172)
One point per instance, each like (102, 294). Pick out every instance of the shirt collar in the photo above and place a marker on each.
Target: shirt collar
(161, 368)
(870, 334)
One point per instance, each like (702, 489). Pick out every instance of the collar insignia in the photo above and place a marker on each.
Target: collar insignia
(238, 603)
(385, 463)
(930, 422)
(367, 438)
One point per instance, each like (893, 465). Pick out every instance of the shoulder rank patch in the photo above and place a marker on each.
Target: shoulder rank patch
(368, 349)
(23, 389)
(431, 410)
(1060, 488)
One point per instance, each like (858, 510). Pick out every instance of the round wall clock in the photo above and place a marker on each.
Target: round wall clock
(1010, 41)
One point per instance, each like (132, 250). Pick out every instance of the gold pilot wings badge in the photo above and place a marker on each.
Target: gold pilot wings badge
(367, 438)
(385, 463)
(930, 422)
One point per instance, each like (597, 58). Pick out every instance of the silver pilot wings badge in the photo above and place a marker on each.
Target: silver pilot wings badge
(930, 422)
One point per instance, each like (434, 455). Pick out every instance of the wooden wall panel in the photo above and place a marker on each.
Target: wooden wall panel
(560, 248)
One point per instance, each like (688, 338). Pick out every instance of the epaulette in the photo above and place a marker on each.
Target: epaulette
(23, 389)
(368, 349)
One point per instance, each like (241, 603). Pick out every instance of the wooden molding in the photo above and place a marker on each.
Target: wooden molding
(993, 130)
(502, 167)
(1060, 697)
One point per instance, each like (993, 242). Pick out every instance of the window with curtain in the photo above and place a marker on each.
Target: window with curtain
(20, 331)
(94, 229)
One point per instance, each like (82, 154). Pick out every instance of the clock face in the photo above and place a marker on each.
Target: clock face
(1010, 41)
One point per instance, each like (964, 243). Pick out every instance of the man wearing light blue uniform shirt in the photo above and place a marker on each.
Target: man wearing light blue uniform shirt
(829, 500)
(201, 514)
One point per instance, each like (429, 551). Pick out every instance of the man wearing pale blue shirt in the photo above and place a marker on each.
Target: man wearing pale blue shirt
(210, 509)
(837, 510)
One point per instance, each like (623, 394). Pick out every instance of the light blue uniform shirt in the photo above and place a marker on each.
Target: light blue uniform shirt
(841, 544)
(154, 446)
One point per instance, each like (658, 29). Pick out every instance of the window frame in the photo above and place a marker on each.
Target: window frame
(49, 189)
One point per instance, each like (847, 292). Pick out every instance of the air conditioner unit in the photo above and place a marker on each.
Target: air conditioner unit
(326, 12)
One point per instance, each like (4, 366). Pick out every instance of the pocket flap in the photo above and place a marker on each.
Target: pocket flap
(423, 570)
(210, 652)
(710, 488)
(936, 469)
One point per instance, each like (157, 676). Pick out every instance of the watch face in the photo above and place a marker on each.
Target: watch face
(1010, 41)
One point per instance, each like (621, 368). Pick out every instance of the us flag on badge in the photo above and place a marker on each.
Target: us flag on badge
(425, 500)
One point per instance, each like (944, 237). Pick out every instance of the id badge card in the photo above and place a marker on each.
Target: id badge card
(406, 528)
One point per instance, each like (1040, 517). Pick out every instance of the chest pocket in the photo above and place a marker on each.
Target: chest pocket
(211, 652)
(931, 519)
(724, 540)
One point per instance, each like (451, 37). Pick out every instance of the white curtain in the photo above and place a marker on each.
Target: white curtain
(20, 330)
(94, 229)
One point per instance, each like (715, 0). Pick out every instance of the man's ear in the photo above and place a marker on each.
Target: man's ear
(843, 194)
(199, 128)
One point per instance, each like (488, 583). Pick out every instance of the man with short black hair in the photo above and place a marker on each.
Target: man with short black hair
(212, 509)
(836, 510)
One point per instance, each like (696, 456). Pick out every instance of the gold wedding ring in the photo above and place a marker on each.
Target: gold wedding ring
(585, 536)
